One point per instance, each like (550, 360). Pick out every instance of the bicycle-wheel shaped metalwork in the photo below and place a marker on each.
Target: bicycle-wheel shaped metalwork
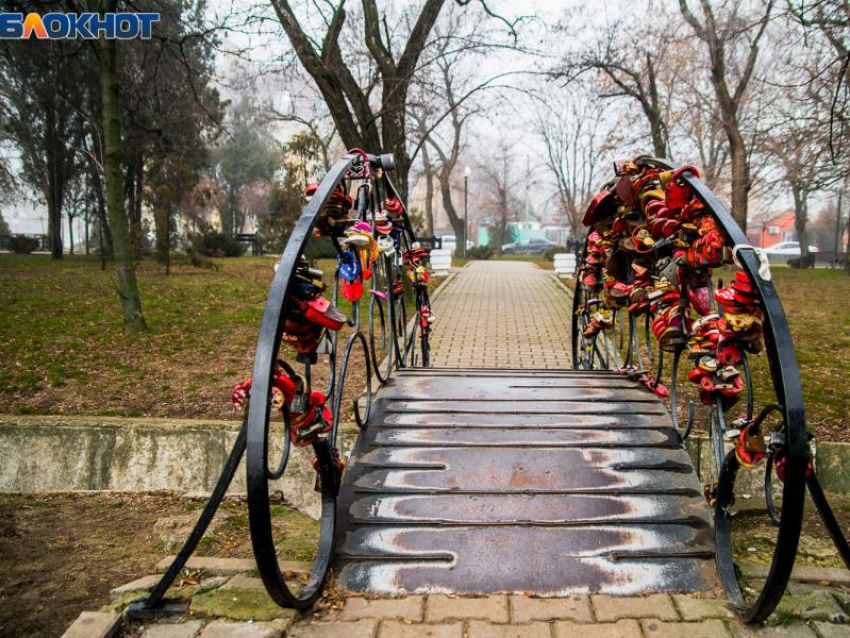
(593, 342)
(656, 235)
(357, 208)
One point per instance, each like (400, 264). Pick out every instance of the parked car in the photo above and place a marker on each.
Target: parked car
(533, 246)
(785, 250)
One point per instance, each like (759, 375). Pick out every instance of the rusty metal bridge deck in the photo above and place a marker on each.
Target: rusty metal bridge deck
(550, 482)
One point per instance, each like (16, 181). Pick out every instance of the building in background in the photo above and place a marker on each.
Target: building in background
(773, 231)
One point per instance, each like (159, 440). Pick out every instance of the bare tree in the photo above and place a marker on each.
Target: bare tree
(830, 19)
(444, 103)
(574, 136)
(350, 101)
(732, 40)
(631, 58)
(697, 130)
(799, 134)
(502, 203)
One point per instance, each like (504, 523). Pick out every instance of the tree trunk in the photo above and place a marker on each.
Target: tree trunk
(162, 219)
(133, 183)
(801, 219)
(229, 227)
(54, 203)
(104, 222)
(429, 191)
(137, 210)
(659, 146)
(128, 290)
(70, 234)
(740, 178)
(847, 250)
(168, 241)
(444, 178)
(102, 246)
(86, 221)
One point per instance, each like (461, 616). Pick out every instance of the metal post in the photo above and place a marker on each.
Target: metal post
(465, 210)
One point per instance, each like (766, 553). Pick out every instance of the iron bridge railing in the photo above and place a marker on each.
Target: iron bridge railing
(382, 271)
(656, 233)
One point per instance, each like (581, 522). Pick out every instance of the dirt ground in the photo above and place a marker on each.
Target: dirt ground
(61, 555)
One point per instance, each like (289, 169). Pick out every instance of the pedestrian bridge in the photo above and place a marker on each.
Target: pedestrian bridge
(512, 436)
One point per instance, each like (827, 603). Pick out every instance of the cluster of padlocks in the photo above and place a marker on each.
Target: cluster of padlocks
(361, 237)
(656, 235)
(651, 250)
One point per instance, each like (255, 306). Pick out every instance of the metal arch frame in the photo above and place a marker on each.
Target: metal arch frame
(256, 451)
(420, 290)
(251, 437)
(786, 381)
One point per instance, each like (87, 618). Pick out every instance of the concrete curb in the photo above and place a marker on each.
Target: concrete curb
(66, 454)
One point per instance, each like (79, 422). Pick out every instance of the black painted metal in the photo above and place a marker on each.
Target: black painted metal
(486, 481)
(148, 606)
(268, 344)
(786, 382)
(253, 436)
(828, 518)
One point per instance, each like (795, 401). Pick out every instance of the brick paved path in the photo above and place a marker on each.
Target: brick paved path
(502, 314)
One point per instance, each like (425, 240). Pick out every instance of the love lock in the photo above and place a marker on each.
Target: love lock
(426, 318)
(750, 448)
(386, 245)
(393, 208)
(310, 417)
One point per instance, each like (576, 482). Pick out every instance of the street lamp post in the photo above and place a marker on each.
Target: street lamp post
(466, 173)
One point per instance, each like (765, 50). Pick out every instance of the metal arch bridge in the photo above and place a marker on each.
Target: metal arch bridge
(551, 482)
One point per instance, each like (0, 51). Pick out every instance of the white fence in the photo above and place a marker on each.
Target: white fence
(441, 261)
(565, 264)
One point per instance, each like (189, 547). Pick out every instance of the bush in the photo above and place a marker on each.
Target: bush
(199, 261)
(549, 253)
(22, 245)
(480, 252)
(214, 244)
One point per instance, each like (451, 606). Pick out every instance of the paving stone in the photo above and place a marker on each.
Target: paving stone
(828, 630)
(401, 629)
(798, 630)
(125, 594)
(221, 629)
(610, 608)
(819, 605)
(212, 564)
(482, 629)
(628, 628)
(526, 608)
(440, 607)
(354, 629)
(94, 624)
(693, 608)
(407, 608)
(802, 573)
(243, 581)
(145, 583)
(712, 628)
(187, 629)
(516, 319)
